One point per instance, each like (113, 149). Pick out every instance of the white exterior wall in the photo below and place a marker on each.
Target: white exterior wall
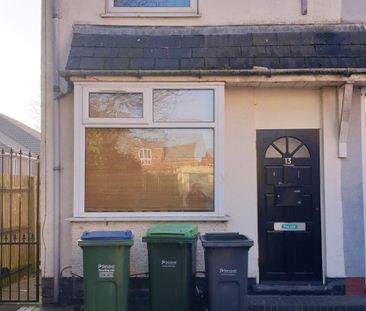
(363, 143)
(353, 11)
(246, 110)
(332, 219)
(46, 193)
(216, 12)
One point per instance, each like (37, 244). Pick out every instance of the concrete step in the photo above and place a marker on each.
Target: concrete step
(306, 303)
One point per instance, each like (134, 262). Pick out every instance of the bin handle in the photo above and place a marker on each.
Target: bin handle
(140, 274)
(200, 272)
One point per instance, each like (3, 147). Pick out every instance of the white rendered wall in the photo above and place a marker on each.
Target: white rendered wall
(240, 168)
(246, 110)
(353, 11)
(332, 197)
(363, 142)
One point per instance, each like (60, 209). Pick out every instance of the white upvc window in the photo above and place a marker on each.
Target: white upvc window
(148, 150)
(151, 8)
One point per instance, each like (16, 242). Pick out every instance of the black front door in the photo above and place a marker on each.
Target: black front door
(289, 205)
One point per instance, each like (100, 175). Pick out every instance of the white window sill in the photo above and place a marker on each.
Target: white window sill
(150, 219)
(151, 14)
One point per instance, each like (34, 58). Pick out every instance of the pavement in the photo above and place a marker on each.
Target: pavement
(258, 303)
(33, 308)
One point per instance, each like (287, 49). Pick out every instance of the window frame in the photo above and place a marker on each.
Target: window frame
(82, 121)
(111, 10)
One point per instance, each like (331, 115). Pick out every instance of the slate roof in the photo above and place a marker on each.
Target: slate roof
(208, 48)
(16, 135)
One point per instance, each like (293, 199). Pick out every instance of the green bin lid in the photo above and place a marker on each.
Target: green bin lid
(172, 230)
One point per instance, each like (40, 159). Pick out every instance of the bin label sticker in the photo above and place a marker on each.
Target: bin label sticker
(228, 272)
(106, 271)
(168, 263)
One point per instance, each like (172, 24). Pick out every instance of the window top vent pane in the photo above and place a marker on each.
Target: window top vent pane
(183, 105)
(115, 105)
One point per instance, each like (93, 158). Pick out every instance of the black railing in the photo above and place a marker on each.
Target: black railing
(19, 227)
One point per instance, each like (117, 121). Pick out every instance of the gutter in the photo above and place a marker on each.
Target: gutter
(56, 152)
(67, 74)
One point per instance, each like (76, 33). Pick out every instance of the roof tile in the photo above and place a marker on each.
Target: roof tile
(116, 63)
(192, 63)
(142, 63)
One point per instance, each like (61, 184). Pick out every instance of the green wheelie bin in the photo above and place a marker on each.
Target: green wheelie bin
(106, 257)
(172, 265)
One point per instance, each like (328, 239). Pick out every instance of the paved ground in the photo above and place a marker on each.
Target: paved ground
(23, 291)
(261, 303)
(259, 300)
(45, 309)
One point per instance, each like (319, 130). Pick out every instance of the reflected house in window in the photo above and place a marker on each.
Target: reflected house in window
(149, 169)
(145, 156)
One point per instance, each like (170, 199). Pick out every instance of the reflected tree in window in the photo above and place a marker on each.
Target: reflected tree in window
(115, 105)
(149, 169)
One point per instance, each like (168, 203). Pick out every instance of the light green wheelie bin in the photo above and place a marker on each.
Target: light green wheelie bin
(172, 265)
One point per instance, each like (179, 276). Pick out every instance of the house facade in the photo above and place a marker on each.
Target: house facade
(237, 116)
(19, 147)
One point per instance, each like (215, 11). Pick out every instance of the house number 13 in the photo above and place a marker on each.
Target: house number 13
(288, 161)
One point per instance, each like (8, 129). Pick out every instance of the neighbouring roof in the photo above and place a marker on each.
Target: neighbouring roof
(18, 136)
(207, 48)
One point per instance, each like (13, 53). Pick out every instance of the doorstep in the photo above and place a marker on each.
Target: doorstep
(306, 303)
(332, 287)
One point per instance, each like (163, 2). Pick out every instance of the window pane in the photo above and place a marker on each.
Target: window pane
(115, 105)
(272, 153)
(293, 143)
(149, 170)
(281, 144)
(303, 152)
(152, 3)
(183, 105)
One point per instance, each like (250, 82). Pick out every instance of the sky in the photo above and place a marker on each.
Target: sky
(20, 59)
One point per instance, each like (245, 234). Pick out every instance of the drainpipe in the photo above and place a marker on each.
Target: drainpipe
(56, 152)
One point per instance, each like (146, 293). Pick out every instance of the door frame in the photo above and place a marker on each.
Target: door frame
(321, 204)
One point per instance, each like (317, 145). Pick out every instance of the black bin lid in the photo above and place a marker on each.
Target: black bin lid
(226, 239)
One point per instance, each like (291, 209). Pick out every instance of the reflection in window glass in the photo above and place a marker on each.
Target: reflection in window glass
(115, 105)
(303, 152)
(145, 156)
(272, 153)
(152, 3)
(281, 144)
(293, 143)
(183, 105)
(149, 170)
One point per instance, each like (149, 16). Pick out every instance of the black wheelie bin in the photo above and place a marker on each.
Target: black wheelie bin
(226, 261)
